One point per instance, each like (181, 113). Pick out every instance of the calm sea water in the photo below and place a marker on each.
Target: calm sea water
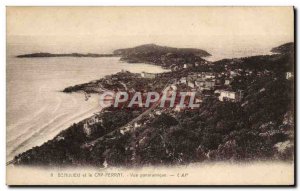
(37, 110)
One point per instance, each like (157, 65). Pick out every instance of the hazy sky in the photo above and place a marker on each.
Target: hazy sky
(107, 28)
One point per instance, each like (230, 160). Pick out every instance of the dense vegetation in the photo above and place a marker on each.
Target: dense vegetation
(161, 55)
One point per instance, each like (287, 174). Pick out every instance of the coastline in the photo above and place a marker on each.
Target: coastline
(114, 80)
(77, 117)
(60, 127)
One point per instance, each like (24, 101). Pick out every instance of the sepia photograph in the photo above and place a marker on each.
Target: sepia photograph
(150, 96)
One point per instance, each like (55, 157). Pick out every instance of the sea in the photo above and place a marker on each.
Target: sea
(37, 109)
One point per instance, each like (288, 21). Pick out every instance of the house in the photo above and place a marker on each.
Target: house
(206, 75)
(182, 80)
(173, 87)
(248, 72)
(87, 130)
(199, 83)
(158, 112)
(233, 74)
(209, 75)
(201, 75)
(125, 130)
(191, 84)
(137, 125)
(288, 75)
(188, 65)
(148, 75)
(226, 95)
(208, 85)
(217, 91)
(198, 100)
(227, 81)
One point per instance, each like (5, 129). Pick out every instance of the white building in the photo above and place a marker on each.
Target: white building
(182, 80)
(174, 87)
(148, 75)
(288, 75)
(125, 130)
(206, 85)
(191, 84)
(187, 65)
(199, 83)
(210, 84)
(137, 125)
(227, 82)
(230, 96)
(158, 112)
(87, 130)
(233, 74)
(198, 100)
(209, 75)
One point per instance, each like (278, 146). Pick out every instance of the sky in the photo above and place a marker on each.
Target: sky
(104, 29)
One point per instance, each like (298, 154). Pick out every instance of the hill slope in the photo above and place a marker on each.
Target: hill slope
(285, 48)
(161, 55)
(153, 48)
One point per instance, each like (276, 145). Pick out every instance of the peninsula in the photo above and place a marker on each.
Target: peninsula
(164, 56)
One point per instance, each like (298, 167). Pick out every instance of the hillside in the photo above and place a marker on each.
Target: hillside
(287, 48)
(281, 62)
(161, 55)
(160, 50)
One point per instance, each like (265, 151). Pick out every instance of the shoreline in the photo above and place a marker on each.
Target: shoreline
(68, 123)
(65, 125)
